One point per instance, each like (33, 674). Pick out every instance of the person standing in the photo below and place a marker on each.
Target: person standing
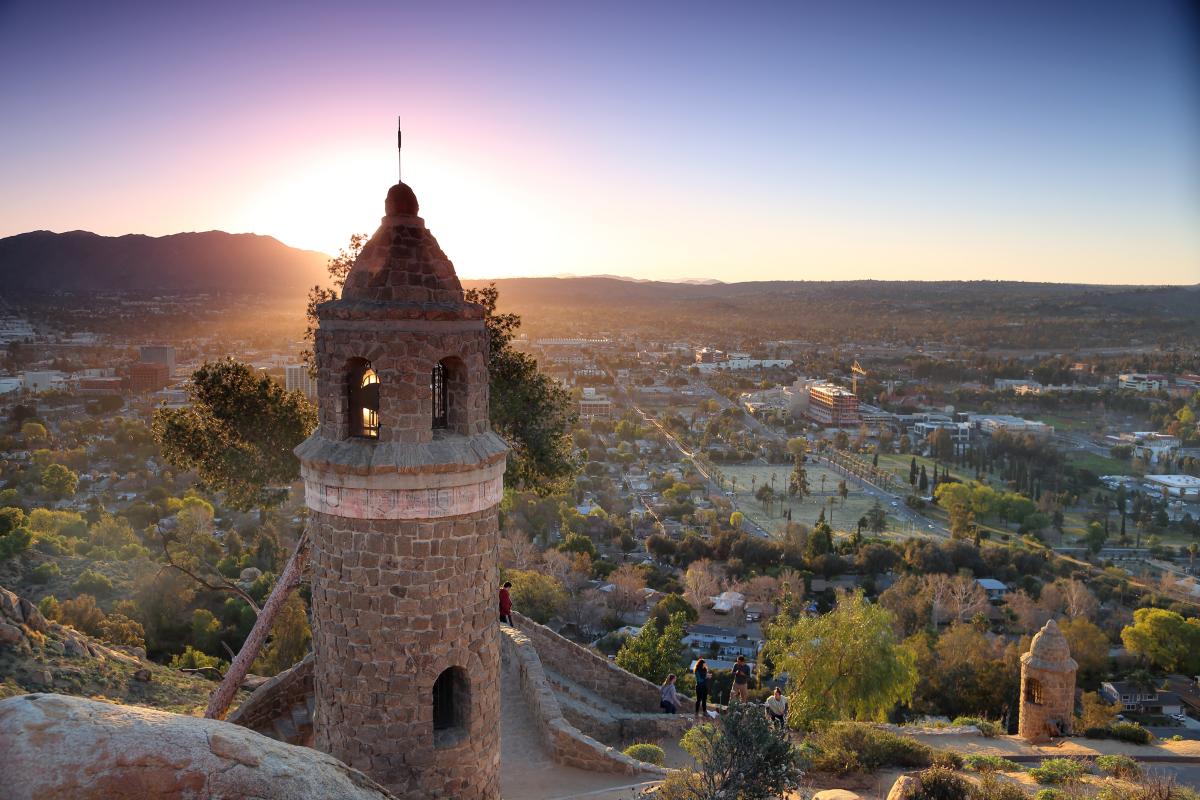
(777, 706)
(506, 603)
(669, 701)
(741, 680)
(701, 672)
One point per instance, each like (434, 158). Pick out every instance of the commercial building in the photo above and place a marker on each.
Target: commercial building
(148, 376)
(1143, 381)
(36, 382)
(297, 379)
(832, 406)
(992, 424)
(593, 404)
(1176, 485)
(101, 386)
(158, 354)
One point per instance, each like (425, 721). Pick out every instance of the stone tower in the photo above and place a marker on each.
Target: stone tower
(1047, 686)
(403, 477)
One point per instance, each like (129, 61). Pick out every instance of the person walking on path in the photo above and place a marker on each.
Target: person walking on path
(506, 603)
(670, 700)
(777, 706)
(701, 672)
(741, 680)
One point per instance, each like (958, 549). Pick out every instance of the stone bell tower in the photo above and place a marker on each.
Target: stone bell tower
(402, 478)
(1047, 686)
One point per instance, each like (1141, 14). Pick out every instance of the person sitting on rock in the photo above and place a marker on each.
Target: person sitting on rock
(670, 699)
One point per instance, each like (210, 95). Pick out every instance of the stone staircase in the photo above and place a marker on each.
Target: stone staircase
(609, 721)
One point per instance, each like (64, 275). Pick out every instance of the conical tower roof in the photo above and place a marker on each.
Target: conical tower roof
(1049, 650)
(402, 271)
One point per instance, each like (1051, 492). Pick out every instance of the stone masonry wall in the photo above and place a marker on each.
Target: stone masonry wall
(396, 602)
(562, 740)
(590, 670)
(275, 700)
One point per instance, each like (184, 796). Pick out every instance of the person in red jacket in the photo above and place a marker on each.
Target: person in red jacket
(506, 604)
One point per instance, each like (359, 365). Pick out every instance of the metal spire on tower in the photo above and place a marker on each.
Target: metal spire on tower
(399, 159)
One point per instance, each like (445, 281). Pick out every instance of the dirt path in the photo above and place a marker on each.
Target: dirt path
(526, 770)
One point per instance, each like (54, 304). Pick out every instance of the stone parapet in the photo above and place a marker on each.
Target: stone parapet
(565, 743)
(277, 700)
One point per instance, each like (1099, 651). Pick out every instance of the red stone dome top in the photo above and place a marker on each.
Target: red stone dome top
(403, 263)
(1050, 650)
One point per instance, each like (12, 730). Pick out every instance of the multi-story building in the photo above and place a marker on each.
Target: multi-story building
(158, 354)
(592, 404)
(709, 355)
(297, 379)
(1143, 381)
(992, 424)
(831, 405)
(148, 376)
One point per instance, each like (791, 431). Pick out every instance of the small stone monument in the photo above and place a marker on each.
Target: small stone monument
(1047, 686)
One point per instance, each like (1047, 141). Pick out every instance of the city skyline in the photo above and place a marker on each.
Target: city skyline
(931, 142)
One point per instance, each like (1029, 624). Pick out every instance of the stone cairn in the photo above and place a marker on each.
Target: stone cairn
(403, 477)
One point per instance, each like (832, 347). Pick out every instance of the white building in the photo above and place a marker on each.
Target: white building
(35, 382)
(992, 424)
(297, 379)
(1143, 381)
(1176, 485)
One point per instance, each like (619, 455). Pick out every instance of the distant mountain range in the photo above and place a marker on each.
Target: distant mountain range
(208, 261)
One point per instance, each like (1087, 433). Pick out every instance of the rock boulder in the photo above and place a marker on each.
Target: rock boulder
(59, 746)
(836, 794)
(905, 788)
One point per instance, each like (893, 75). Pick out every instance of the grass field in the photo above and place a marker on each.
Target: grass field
(843, 518)
(898, 465)
(1100, 465)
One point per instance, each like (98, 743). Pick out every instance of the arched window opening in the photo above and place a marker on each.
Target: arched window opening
(1033, 691)
(439, 391)
(363, 384)
(451, 703)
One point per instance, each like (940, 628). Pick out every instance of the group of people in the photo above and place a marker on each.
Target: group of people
(776, 704)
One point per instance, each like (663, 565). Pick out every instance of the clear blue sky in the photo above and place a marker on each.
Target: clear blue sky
(1031, 141)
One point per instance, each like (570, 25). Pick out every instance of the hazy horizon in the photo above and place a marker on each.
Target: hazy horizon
(930, 142)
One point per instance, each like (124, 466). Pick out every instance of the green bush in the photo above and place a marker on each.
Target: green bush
(845, 747)
(1130, 732)
(991, 764)
(44, 572)
(14, 541)
(986, 727)
(191, 658)
(92, 582)
(1118, 766)
(1049, 794)
(1058, 771)
(993, 788)
(941, 783)
(650, 753)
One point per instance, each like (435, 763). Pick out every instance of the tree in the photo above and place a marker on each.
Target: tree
(671, 605)
(629, 583)
(955, 599)
(841, 440)
(59, 481)
(736, 519)
(701, 582)
(338, 268)
(237, 433)
(742, 756)
(653, 653)
(1096, 712)
(1095, 537)
(535, 595)
(1089, 647)
(843, 491)
(913, 472)
(529, 409)
(798, 482)
(290, 635)
(923, 482)
(1165, 639)
(34, 434)
(876, 517)
(941, 445)
(844, 664)
(14, 536)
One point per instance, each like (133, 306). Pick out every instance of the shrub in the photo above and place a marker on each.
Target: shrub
(650, 753)
(986, 727)
(993, 788)
(92, 582)
(14, 541)
(120, 629)
(82, 614)
(991, 764)
(45, 572)
(946, 758)
(1130, 732)
(191, 658)
(1118, 766)
(1049, 794)
(941, 783)
(1058, 771)
(845, 747)
(49, 607)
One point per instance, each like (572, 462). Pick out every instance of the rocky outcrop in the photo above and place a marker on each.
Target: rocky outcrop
(59, 746)
(836, 794)
(906, 787)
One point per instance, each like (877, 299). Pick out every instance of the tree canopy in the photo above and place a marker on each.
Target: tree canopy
(237, 434)
(844, 664)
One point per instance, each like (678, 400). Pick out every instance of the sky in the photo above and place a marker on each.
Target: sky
(732, 141)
